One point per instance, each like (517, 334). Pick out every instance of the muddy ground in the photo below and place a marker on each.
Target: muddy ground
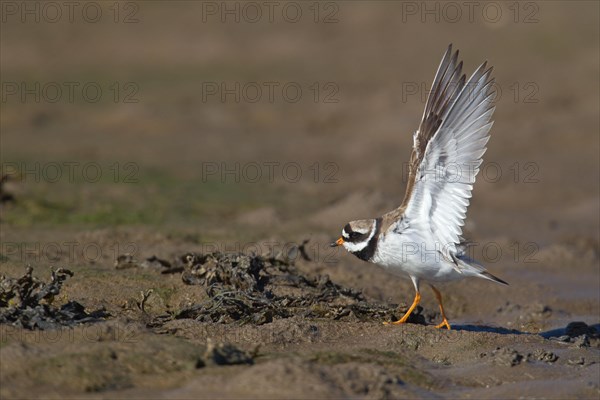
(210, 134)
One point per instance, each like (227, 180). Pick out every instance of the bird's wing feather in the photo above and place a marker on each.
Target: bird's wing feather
(447, 83)
(448, 150)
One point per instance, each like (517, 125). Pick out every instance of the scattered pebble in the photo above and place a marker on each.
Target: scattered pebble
(224, 354)
(576, 361)
(542, 355)
(580, 335)
(581, 341)
(125, 261)
(563, 338)
(157, 263)
(506, 356)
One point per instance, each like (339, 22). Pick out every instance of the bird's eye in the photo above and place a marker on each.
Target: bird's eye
(355, 235)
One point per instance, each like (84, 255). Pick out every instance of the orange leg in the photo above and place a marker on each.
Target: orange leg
(415, 303)
(438, 295)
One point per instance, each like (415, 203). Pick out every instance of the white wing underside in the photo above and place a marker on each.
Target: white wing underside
(444, 178)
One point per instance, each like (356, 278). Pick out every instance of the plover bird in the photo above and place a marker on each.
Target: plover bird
(422, 239)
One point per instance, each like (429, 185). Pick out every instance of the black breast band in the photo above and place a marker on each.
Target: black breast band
(369, 251)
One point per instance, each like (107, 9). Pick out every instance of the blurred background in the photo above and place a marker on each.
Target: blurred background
(241, 121)
(158, 94)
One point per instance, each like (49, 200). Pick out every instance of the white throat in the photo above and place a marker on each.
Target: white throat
(356, 247)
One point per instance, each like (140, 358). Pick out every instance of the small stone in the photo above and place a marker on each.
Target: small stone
(577, 361)
(155, 262)
(542, 355)
(563, 338)
(581, 341)
(225, 354)
(125, 261)
(507, 357)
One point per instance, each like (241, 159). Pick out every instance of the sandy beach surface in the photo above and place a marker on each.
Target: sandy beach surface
(140, 129)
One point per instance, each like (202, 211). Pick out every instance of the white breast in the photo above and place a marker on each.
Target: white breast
(415, 254)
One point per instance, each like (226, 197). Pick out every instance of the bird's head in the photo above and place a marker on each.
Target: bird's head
(360, 238)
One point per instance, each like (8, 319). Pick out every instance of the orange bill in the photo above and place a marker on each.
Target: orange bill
(338, 242)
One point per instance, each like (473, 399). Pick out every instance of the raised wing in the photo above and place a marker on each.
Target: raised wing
(448, 150)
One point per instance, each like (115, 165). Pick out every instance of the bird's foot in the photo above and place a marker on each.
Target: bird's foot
(444, 324)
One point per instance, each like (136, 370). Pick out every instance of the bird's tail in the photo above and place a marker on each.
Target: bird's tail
(487, 275)
(467, 264)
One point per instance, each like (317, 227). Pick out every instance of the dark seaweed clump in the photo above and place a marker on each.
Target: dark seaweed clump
(255, 289)
(5, 197)
(27, 302)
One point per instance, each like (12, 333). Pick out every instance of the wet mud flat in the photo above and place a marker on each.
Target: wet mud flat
(176, 321)
(261, 327)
